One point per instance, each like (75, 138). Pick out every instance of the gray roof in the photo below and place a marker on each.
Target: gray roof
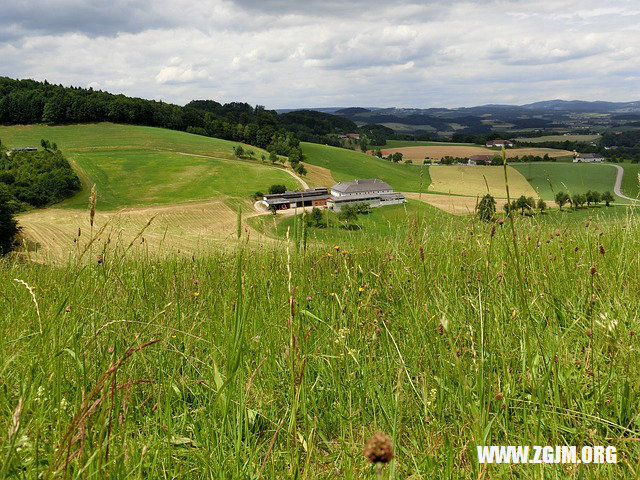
(359, 186)
(590, 155)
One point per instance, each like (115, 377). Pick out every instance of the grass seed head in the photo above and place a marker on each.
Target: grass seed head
(379, 449)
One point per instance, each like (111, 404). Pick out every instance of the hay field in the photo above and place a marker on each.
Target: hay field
(454, 204)
(318, 176)
(52, 233)
(472, 181)
(439, 151)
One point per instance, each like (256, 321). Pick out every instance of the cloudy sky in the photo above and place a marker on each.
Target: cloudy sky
(317, 53)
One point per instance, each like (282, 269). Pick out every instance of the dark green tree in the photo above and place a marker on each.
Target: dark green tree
(562, 198)
(486, 208)
(8, 224)
(607, 198)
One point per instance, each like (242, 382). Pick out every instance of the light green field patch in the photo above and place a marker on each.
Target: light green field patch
(559, 138)
(550, 178)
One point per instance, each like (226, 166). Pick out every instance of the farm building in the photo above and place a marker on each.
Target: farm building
(499, 143)
(353, 136)
(313, 197)
(479, 160)
(24, 149)
(588, 158)
(371, 199)
(369, 186)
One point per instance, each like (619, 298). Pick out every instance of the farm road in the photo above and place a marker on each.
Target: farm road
(616, 188)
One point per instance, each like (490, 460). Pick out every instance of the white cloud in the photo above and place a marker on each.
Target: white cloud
(326, 53)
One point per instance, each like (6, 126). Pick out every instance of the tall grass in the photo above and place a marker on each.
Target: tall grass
(281, 361)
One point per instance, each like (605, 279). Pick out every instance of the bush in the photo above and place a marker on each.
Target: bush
(277, 188)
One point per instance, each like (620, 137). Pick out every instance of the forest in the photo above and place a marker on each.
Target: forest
(31, 102)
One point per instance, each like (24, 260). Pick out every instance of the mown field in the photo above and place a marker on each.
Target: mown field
(478, 180)
(550, 178)
(281, 361)
(413, 143)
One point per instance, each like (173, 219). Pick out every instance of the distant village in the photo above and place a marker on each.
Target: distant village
(372, 192)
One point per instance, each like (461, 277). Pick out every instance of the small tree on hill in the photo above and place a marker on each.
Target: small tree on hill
(486, 208)
(273, 158)
(578, 200)
(607, 198)
(238, 151)
(396, 157)
(314, 219)
(542, 205)
(561, 199)
(525, 203)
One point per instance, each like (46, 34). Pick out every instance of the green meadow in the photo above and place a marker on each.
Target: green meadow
(414, 143)
(349, 165)
(280, 360)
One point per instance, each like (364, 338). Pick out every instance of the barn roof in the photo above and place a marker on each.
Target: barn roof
(361, 186)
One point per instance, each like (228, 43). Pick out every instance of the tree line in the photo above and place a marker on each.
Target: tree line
(30, 102)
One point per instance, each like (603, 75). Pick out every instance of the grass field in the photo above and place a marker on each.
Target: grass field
(443, 150)
(281, 362)
(133, 165)
(142, 177)
(550, 178)
(474, 181)
(349, 165)
(559, 138)
(630, 180)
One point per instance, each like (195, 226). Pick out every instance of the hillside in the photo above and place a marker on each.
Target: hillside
(159, 187)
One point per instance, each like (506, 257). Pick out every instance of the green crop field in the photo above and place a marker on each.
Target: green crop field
(349, 165)
(550, 178)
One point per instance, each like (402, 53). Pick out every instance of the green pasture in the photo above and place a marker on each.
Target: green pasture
(630, 180)
(410, 143)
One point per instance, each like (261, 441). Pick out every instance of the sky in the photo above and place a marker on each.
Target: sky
(326, 53)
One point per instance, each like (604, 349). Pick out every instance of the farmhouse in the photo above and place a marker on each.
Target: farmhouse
(480, 160)
(499, 143)
(353, 136)
(372, 191)
(588, 158)
(358, 187)
(313, 197)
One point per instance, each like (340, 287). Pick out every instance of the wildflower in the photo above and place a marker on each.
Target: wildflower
(499, 396)
(99, 259)
(308, 298)
(500, 222)
(332, 294)
(344, 252)
(592, 270)
(379, 449)
(360, 289)
(329, 254)
(588, 332)
(601, 250)
(336, 247)
(440, 329)
(67, 308)
(195, 281)
(196, 294)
